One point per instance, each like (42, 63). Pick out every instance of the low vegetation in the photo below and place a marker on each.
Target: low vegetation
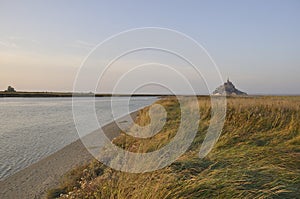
(256, 156)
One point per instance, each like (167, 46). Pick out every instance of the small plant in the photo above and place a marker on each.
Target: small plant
(55, 193)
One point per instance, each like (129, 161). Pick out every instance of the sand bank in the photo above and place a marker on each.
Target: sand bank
(35, 180)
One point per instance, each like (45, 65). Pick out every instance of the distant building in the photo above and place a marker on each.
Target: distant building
(228, 89)
(10, 89)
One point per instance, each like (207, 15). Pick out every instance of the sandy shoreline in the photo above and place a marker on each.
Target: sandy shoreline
(36, 179)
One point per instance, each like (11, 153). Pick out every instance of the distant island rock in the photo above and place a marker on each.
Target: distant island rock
(10, 89)
(228, 89)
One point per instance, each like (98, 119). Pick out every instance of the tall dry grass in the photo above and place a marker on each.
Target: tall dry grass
(257, 156)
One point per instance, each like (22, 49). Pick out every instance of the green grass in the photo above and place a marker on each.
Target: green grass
(257, 156)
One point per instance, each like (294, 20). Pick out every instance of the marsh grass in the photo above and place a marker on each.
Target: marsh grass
(257, 156)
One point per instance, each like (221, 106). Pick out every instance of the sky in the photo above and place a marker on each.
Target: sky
(255, 43)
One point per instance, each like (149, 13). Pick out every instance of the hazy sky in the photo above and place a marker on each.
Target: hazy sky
(255, 43)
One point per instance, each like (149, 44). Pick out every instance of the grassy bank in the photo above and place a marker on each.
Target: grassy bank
(257, 156)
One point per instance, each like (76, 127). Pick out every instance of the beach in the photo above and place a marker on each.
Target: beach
(36, 179)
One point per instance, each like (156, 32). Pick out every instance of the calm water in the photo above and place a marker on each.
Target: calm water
(33, 128)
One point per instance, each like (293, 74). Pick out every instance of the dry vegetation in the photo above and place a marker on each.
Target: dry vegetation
(257, 156)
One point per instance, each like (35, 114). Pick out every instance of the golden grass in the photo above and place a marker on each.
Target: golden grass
(257, 156)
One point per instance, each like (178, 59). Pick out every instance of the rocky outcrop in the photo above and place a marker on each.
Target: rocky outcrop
(228, 89)
(10, 89)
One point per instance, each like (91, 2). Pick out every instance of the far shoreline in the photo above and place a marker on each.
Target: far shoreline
(24, 94)
(39, 94)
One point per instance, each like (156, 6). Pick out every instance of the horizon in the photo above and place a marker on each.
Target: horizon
(162, 94)
(43, 44)
(150, 93)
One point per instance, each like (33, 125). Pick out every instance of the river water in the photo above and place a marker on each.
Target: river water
(34, 128)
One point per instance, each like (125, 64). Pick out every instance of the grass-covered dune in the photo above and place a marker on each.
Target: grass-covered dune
(256, 156)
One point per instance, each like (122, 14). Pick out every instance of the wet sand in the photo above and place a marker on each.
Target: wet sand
(35, 180)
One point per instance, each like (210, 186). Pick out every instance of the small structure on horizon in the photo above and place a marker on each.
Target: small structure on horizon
(228, 89)
(10, 89)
